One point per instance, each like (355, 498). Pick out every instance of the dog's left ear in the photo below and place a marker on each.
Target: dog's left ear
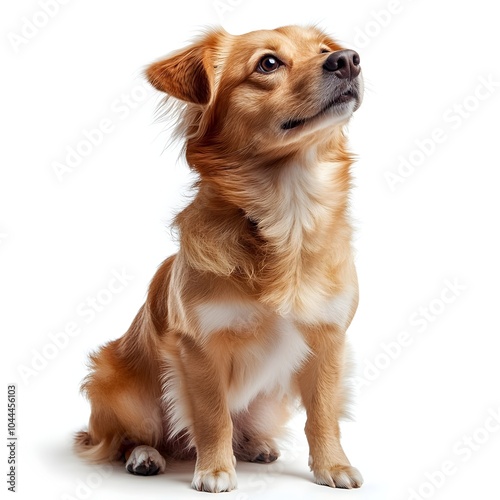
(188, 74)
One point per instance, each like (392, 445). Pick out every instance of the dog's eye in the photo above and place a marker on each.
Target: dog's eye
(268, 64)
(325, 51)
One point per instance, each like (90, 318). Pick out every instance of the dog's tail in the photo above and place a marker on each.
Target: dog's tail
(105, 450)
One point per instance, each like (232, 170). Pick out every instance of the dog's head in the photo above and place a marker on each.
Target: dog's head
(263, 91)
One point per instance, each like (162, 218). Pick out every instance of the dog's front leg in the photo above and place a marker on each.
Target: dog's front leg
(212, 428)
(320, 381)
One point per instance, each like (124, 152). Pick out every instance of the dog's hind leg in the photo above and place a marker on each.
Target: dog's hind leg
(125, 412)
(124, 390)
(257, 428)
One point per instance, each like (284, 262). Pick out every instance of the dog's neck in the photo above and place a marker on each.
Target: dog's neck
(296, 210)
(292, 203)
(301, 213)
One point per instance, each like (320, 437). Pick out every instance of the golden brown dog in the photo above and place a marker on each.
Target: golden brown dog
(251, 314)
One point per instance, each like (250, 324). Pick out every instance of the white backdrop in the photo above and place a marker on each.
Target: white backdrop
(425, 206)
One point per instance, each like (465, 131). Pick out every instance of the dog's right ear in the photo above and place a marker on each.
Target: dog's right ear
(188, 74)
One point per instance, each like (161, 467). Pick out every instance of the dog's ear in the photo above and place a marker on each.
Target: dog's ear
(188, 74)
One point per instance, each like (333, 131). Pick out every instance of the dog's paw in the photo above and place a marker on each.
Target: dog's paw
(266, 457)
(339, 476)
(145, 461)
(214, 481)
(251, 450)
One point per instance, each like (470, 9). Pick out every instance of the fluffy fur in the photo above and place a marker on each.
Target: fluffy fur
(250, 315)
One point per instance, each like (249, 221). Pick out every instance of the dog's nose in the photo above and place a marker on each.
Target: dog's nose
(343, 63)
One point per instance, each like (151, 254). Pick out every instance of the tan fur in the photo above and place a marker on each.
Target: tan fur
(268, 235)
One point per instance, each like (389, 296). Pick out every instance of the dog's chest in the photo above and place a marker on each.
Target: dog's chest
(269, 348)
(267, 363)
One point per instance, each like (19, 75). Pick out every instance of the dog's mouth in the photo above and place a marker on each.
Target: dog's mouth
(344, 97)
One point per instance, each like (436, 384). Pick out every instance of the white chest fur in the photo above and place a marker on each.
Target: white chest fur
(335, 310)
(267, 366)
(274, 349)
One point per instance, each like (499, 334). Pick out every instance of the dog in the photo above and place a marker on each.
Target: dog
(250, 316)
